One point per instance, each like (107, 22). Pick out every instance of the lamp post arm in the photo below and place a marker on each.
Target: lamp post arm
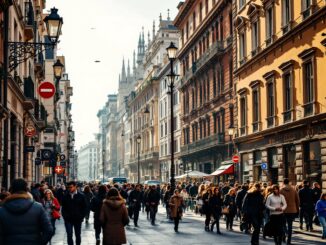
(19, 52)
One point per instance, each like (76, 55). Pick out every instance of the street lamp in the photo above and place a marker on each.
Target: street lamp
(172, 55)
(53, 24)
(138, 139)
(58, 69)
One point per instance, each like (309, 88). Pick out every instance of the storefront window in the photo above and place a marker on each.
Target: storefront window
(273, 165)
(289, 163)
(245, 167)
(312, 161)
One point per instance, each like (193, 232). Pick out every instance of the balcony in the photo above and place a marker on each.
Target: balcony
(29, 20)
(29, 92)
(205, 143)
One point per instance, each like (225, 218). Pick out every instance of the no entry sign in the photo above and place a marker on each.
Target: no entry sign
(46, 90)
(235, 159)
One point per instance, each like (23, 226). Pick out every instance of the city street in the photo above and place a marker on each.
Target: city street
(191, 232)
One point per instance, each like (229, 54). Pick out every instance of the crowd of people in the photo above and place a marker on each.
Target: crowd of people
(28, 216)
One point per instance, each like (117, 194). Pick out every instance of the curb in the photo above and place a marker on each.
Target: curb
(307, 233)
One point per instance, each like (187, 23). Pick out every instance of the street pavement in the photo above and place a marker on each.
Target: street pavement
(191, 232)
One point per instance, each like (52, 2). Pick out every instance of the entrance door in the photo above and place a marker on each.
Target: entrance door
(312, 161)
(272, 165)
(289, 163)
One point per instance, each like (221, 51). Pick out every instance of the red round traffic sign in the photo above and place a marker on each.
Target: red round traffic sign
(58, 170)
(46, 90)
(30, 130)
(235, 159)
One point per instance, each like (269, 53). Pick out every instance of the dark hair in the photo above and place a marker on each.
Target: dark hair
(276, 187)
(37, 185)
(102, 190)
(72, 183)
(113, 192)
(286, 181)
(306, 182)
(18, 185)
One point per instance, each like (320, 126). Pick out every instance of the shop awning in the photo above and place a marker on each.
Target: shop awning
(192, 174)
(224, 169)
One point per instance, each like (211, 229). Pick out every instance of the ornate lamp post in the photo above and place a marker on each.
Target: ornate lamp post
(138, 139)
(172, 54)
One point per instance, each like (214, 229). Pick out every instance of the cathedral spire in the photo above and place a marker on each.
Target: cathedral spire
(148, 39)
(134, 62)
(143, 41)
(123, 72)
(168, 15)
(160, 18)
(154, 32)
(128, 70)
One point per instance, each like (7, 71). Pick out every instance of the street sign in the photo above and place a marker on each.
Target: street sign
(181, 166)
(63, 163)
(38, 161)
(29, 148)
(46, 90)
(263, 166)
(235, 159)
(62, 157)
(58, 170)
(30, 130)
(46, 154)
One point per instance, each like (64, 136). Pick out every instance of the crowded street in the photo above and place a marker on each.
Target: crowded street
(191, 232)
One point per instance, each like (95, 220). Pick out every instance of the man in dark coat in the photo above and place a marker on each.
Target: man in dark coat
(252, 209)
(36, 192)
(316, 196)
(74, 208)
(135, 200)
(238, 202)
(153, 200)
(307, 204)
(96, 205)
(22, 220)
(193, 191)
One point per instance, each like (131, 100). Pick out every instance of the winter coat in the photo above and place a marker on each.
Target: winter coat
(193, 191)
(321, 208)
(114, 216)
(215, 204)
(306, 199)
(135, 199)
(239, 198)
(55, 209)
(229, 201)
(176, 203)
(24, 221)
(96, 205)
(88, 197)
(253, 199)
(74, 210)
(316, 192)
(205, 207)
(292, 199)
(153, 198)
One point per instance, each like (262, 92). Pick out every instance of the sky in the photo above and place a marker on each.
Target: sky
(104, 30)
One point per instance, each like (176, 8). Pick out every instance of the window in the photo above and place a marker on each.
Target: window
(230, 73)
(287, 80)
(242, 47)
(162, 131)
(231, 115)
(269, 25)
(187, 30)
(241, 3)
(206, 6)
(175, 123)
(208, 125)
(243, 115)
(255, 110)
(254, 37)
(270, 103)
(286, 15)
(308, 80)
(306, 8)
(194, 21)
(200, 12)
(214, 83)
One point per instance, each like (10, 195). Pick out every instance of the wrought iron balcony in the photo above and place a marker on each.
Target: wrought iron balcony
(205, 143)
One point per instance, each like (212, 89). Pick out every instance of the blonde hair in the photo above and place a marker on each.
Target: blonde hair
(49, 191)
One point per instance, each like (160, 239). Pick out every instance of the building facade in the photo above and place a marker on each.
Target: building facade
(87, 160)
(207, 91)
(280, 57)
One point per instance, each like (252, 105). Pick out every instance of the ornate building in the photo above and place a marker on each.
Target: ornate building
(280, 57)
(207, 91)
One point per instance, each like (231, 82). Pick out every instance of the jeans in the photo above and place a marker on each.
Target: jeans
(322, 221)
(287, 225)
(97, 227)
(176, 223)
(229, 220)
(69, 230)
(136, 215)
(152, 213)
(256, 224)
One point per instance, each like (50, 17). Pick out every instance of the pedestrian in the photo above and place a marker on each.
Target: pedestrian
(316, 192)
(185, 197)
(215, 205)
(238, 202)
(307, 205)
(176, 203)
(135, 200)
(114, 217)
(61, 191)
(276, 203)
(52, 207)
(321, 212)
(229, 202)
(73, 212)
(206, 208)
(252, 211)
(146, 203)
(292, 209)
(96, 205)
(88, 196)
(22, 220)
(166, 199)
(36, 192)
(153, 200)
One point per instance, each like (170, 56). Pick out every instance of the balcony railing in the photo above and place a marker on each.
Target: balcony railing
(204, 143)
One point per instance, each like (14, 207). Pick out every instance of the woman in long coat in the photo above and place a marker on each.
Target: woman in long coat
(176, 204)
(114, 217)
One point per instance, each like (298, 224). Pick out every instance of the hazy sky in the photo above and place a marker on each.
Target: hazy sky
(105, 30)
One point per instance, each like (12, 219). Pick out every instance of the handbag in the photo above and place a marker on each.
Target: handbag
(225, 210)
(56, 214)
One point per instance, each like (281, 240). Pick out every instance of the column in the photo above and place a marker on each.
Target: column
(298, 162)
(251, 167)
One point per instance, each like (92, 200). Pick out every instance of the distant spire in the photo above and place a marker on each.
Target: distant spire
(169, 15)
(119, 78)
(143, 41)
(128, 70)
(123, 72)
(148, 39)
(139, 44)
(134, 62)
(160, 17)
(153, 29)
